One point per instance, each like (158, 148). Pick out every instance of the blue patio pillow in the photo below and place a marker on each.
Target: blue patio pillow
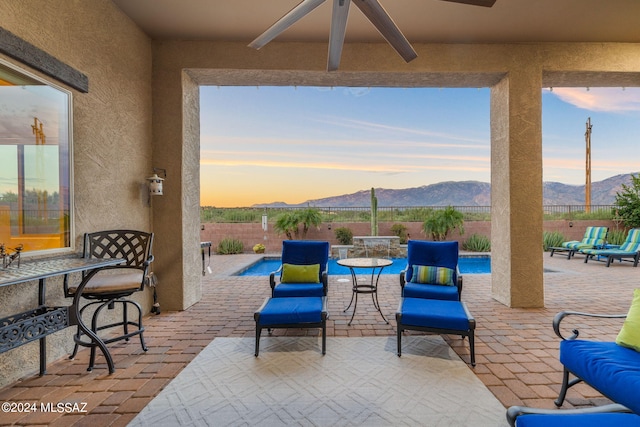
(293, 273)
(431, 275)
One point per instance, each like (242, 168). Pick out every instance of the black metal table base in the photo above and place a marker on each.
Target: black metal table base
(365, 289)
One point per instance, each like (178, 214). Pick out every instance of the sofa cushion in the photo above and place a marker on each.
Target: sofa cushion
(629, 335)
(611, 369)
(292, 273)
(422, 290)
(298, 290)
(433, 275)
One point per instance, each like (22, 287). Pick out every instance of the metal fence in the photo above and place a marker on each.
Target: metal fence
(396, 213)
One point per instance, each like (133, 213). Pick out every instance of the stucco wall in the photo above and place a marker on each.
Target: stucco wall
(111, 136)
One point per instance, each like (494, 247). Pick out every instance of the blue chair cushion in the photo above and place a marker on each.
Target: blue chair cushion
(423, 252)
(611, 369)
(291, 311)
(298, 290)
(422, 290)
(578, 420)
(306, 252)
(429, 313)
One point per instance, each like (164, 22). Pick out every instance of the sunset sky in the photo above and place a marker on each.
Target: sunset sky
(292, 144)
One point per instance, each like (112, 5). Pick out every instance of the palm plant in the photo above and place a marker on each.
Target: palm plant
(309, 217)
(440, 222)
(287, 223)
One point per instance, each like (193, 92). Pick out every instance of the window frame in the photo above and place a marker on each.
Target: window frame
(18, 69)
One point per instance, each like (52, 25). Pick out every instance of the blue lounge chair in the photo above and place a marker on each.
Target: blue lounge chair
(594, 237)
(303, 272)
(629, 249)
(598, 416)
(432, 271)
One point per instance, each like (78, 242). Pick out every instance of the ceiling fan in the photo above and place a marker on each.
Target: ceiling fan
(370, 8)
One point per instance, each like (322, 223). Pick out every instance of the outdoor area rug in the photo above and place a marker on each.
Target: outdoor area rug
(359, 382)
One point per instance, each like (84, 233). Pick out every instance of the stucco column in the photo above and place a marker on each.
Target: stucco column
(176, 214)
(516, 189)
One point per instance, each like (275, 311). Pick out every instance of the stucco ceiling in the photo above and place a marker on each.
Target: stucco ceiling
(420, 20)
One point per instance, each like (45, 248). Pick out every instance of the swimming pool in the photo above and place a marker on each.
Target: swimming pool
(467, 265)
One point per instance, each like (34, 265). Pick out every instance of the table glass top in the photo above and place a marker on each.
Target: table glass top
(365, 262)
(43, 268)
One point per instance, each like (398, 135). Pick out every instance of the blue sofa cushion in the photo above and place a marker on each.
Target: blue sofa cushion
(291, 311)
(611, 369)
(440, 254)
(421, 290)
(578, 420)
(431, 275)
(298, 290)
(434, 314)
(306, 252)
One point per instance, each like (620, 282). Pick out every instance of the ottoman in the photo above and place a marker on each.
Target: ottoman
(438, 316)
(292, 312)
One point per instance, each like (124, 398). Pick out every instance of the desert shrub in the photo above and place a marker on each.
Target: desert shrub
(400, 230)
(228, 246)
(477, 243)
(552, 239)
(344, 235)
(616, 237)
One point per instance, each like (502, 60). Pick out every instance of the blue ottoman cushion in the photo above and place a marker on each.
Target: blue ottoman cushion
(429, 313)
(291, 310)
(439, 316)
(612, 369)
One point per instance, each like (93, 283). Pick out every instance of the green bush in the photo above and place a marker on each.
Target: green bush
(616, 237)
(477, 243)
(628, 203)
(229, 246)
(400, 230)
(441, 222)
(552, 239)
(344, 235)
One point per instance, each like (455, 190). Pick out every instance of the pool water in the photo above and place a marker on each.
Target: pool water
(467, 265)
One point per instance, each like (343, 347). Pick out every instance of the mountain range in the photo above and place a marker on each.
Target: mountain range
(467, 193)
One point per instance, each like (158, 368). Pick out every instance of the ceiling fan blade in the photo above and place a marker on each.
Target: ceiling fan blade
(485, 3)
(285, 22)
(389, 30)
(338, 29)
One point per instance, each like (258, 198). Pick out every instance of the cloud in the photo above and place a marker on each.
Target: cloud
(300, 165)
(601, 99)
(374, 166)
(395, 130)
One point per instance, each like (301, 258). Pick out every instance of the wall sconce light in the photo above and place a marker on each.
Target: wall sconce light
(155, 182)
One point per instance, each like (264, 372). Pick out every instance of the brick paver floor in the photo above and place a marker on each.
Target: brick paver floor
(516, 349)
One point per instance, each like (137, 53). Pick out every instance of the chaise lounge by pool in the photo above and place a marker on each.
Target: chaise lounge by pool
(467, 265)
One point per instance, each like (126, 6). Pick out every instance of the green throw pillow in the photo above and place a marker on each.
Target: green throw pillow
(432, 275)
(629, 335)
(292, 273)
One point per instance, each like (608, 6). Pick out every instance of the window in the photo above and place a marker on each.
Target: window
(35, 162)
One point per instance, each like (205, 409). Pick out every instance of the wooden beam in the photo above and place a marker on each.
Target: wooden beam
(16, 48)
